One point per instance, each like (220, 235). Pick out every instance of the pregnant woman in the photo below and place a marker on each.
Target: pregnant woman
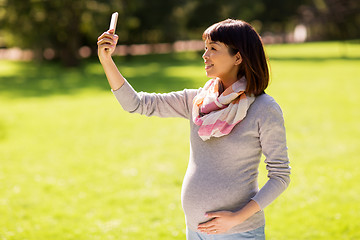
(232, 123)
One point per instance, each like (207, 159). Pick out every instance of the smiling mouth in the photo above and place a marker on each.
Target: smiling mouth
(208, 66)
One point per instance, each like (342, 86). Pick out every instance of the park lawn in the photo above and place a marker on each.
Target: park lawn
(74, 165)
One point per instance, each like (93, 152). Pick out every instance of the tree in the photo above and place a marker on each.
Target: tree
(60, 25)
(332, 19)
(66, 25)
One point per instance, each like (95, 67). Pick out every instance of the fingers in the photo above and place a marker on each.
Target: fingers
(208, 224)
(108, 37)
(107, 42)
(214, 214)
(208, 227)
(108, 34)
(211, 229)
(219, 222)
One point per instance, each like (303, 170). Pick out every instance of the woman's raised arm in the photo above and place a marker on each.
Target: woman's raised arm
(106, 47)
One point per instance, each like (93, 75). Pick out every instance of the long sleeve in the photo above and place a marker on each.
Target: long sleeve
(273, 144)
(174, 104)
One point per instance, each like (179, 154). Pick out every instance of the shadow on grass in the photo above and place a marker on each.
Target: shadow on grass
(146, 73)
(28, 79)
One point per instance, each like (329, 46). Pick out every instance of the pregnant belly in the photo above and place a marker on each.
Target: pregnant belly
(205, 192)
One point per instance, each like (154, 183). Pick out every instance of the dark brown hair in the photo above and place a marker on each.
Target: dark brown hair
(241, 37)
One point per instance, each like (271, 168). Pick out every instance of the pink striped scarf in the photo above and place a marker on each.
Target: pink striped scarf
(217, 114)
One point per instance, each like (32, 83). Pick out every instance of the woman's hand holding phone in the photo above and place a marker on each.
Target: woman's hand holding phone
(108, 40)
(106, 47)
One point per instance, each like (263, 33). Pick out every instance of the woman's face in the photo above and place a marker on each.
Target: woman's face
(219, 63)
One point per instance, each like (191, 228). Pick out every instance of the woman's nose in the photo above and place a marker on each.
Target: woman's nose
(205, 55)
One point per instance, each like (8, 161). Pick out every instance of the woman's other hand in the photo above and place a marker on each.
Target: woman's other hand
(220, 222)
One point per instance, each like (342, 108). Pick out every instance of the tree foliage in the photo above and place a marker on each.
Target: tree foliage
(67, 25)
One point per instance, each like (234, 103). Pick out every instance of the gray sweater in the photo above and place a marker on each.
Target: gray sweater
(222, 172)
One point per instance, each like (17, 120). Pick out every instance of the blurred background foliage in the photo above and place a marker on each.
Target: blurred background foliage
(65, 26)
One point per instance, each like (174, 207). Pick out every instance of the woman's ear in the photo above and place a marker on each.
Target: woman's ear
(238, 58)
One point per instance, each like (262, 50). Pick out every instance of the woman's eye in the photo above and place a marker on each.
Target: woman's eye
(212, 48)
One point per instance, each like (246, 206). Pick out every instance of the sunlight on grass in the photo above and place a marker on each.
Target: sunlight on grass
(8, 68)
(74, 165)
(315, 50)
(320, 107)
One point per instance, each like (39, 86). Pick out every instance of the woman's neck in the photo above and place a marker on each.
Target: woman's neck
(227, 82)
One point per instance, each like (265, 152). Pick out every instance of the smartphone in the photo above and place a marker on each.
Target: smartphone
(113, 22)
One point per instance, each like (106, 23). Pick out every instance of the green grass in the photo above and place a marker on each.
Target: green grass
(74, 165)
